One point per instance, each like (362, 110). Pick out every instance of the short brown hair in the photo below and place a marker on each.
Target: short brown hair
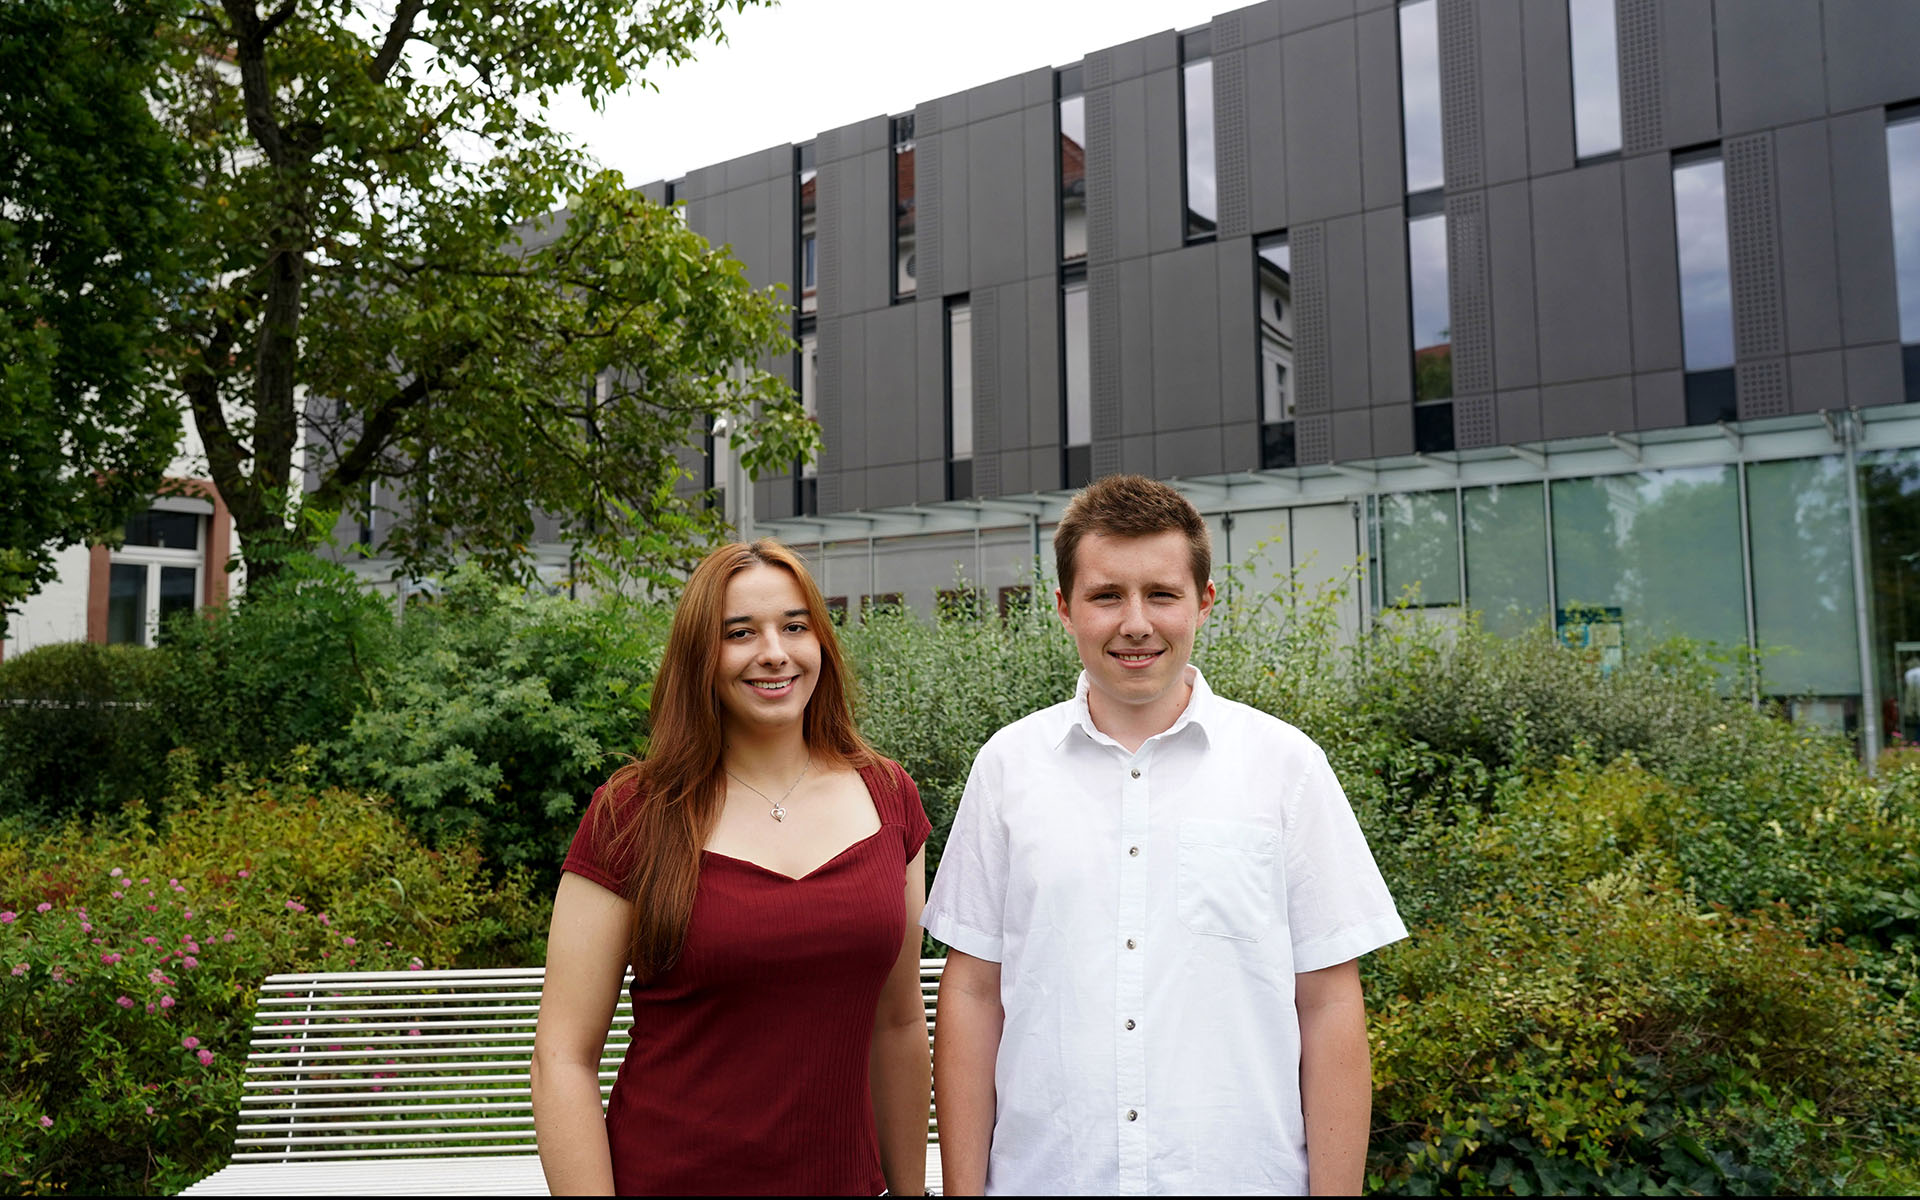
(1131, 506)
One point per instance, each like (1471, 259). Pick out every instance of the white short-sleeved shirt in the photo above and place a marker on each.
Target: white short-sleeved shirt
(1149, 912)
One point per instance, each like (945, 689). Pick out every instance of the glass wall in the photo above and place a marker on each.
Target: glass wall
(1596, 77)
(1506, 545)
(1274, 301)
(1420, 94)
(1073, 168)
(1420, 548)
(1079, 384)
(1657, 552)
(959, 400)
(808, 244)
(1432, 322)
(903, 208)
(1802, 551)
(1706, 289)
(1903, 182)
(1890, 509)
(1196, 108)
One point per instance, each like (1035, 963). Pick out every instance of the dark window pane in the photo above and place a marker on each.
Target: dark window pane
(176, 592)
(1889, 484)
(1700, 226)
(1276, 446)
(1275, 304)
(1910, 362)
(1073, 305)
(1420, 94)
(1420, 548)
(169, 530)
(960, 479)
(1073, 178)
(1803, 607)
(1903, 182)
(127, 604)
(1079, 466)
(1433, 428)
(1596, 77)
(1506, 543)
(1432, 322)
(1202, 206)
(809, 498)
(1710, 396)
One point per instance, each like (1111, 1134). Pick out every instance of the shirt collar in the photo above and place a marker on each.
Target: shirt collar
(1200, 711)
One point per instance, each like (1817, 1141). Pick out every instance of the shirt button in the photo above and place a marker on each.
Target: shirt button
(1133, 852)
(1136, 772)
(1129, 1022)
(1130, 943)
(1132, 1115)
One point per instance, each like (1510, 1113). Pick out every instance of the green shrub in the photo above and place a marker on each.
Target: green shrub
(130, 960)
(79, 733)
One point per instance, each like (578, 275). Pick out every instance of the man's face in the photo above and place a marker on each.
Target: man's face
(1133, 616)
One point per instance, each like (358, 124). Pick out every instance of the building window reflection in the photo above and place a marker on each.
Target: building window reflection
(1420, 95)
(1420, 548)
(806, 179)
(1594, 46)
(1274, 302)
(1077, 377)
(1706, 289)
(1903, 182)
(904, 265)
(1073, 167)
(1196, 108)
(959, 399)
(1432, 322)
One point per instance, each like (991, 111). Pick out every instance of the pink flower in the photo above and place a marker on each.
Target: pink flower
(166, 1002)
(46, 1122)
(296, 906)
(156, 978)
(124, 883)
(348, 941)
(43, 906)
(191, 1043)
(205, 1057)
(189, 961)
(7, 918)
(19, 968)
(85, 928)
(109, 959)
(325, 920)
(244, 873)
(228, 936)
(151, 940)
(115, 873)
(124, 1001)
(149, 1110)
(188, 913)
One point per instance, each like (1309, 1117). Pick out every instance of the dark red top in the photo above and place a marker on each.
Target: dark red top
(747, 1073)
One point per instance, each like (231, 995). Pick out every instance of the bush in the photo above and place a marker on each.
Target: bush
(79, 733)
(130, 960)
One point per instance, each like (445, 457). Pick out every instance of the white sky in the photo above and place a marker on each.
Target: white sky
(784, 74)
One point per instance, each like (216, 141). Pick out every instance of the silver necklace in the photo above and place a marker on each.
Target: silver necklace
(779, 806)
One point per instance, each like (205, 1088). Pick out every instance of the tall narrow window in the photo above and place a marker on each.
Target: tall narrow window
(1073, 167)
(1903, 180)
(1706, 291)
(806, 500)
(1275, 315)
(1079, 384)
(1196, 106)
(903, 207)
(1420, 94)
(1594, 44)
(806, 195)
(959, 399)
(1432, 327)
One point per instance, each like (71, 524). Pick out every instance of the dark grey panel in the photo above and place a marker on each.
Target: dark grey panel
(956, 216)
(1389, 340)
(1352, 434)
(1136, 347)
(1239, 338)
(1230, 138)
(1039, 85)
(750, 169)
(1043, 468)
(1013, 472)
(1392, 431)
(996, 99)
(655, 191)
(1015, 332)
(986, 391)
(1106, 458)
(1259, 22)
(1761, 388)
(875, 229)
(1183, 453)
(1266, 138)
(1653, 271)
(1874, 375)
(1229, 33)
(1585, 409)
(1460, 126)
(1040, 190)
(1136, 455)
(1870, 52)
(708, 218)
(996, 203)
(930, 375)
(1296, 15)
(1517, 414)
(1543, 34)
(896, 484)
(750, 233)
(1659, 400)
(1131, 166)
(1809, 279)
(1313, 439)
(1321, 75)
(1690, 109)
(1102, 210)
(1043, 363)
(1166, 219)
(1818, 381)
(1863, 216)
(828, 187)
(931, 481)
(1159, 51)
(1240, 446)
(1103, 353)
(1468, 303)
(892, 409)
(1503, 88)
(1382, 165)
(1473, 422)
(1097, 68)
(831, 366)
(854, 417)
(1186, 342)
(702, 182)
(1311, 304)
(1347, 316)
(1579, 252)
(1516, 339)
(853, 492)
(1770, 68)
(929, 148)
(1753, 231)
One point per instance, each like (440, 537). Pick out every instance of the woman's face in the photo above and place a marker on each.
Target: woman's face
(769, 652)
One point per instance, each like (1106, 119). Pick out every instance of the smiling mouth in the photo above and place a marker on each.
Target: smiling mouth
(772, 685)
(1136, 658)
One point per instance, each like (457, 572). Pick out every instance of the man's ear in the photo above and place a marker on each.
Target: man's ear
(1206, 601)
(1060, 606)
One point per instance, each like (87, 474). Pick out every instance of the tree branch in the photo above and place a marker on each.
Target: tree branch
(396, 40)
(278, 18)
(379, 429)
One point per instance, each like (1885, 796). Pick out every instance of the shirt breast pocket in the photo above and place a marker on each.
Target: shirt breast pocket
(1225, 884)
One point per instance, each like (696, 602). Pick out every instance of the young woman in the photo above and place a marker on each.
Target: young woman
(762, 871)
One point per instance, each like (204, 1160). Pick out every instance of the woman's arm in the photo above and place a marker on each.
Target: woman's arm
(1336, 1078)
(897, 1066)
(586, 961)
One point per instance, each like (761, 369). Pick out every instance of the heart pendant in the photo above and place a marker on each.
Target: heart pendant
(779, 814)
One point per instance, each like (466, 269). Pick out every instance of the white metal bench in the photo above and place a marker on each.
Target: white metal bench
(409, 1082)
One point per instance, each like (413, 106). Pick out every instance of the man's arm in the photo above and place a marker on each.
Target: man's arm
(966, 1043)
(1336, 1078)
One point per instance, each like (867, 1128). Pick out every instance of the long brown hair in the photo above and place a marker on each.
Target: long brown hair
(662, 808)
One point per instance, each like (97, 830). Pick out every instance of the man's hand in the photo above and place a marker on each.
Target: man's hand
(965, 1046)
(1336, 1078)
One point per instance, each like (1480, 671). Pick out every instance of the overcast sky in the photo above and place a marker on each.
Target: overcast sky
(784, 74)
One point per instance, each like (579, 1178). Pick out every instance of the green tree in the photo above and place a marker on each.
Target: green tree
(89, 217)
(383, 266)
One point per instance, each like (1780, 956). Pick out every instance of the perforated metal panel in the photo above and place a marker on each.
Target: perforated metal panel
(832, 246)
(1230, 137)
(1100, 208)
(1468, 293)
(1461, 135)
(1473, 422)
(926, 198)
(986, 392)
(1753, 246)
(1761, 388)
(1097, 69)
(1642, 121)
(1309, 248)
(1103, 351)
(830, 365)
(1313, 440)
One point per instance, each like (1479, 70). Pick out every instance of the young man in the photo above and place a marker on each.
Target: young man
(1154, 899)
